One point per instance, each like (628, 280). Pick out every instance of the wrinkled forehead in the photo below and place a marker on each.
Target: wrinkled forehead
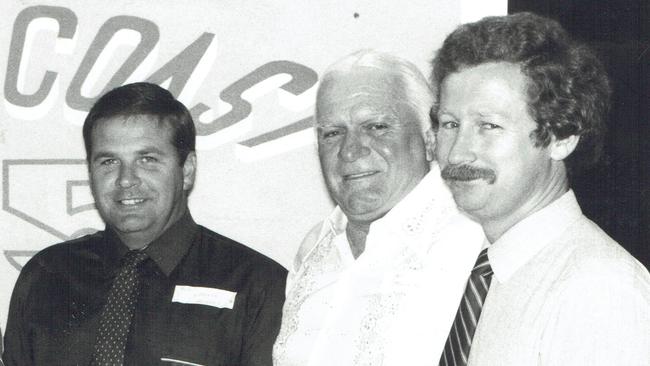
(359, 80)
(362, 89)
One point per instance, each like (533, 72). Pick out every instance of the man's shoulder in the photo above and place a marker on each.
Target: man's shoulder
(593, 245)
(64, 253)
(596, 256)
(308, 244)
(224, 249)
(56, 260)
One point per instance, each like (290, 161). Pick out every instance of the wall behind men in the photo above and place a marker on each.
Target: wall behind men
(248, 71)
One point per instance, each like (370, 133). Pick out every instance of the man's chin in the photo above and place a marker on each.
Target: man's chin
(364, 214)
(131, 224)
(467, 199)
(468, 203)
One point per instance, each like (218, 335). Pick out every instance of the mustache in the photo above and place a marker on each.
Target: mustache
(467, 173)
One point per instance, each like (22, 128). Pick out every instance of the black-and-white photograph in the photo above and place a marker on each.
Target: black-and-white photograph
(325, 183)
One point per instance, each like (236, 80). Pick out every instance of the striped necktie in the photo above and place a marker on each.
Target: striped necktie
(117, 314)
(460, 336)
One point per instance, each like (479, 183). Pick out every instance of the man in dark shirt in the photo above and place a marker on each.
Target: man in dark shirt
(1, 363)
(203, 299)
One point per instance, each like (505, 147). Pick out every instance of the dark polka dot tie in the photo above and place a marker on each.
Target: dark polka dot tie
(115, 320)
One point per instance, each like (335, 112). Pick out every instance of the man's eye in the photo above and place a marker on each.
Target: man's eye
(489, 126)
(330, 133)
(449, 125)
(108, 162)
(377, 126)
(148, 159)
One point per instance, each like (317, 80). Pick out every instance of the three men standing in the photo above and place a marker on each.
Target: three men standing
(520, 107)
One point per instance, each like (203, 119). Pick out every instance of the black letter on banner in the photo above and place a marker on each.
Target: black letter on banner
(150, 35)
(67, 23)
(302, 78)
(180, 68)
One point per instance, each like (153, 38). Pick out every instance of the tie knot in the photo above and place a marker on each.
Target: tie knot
(133, 258)
(482, 266)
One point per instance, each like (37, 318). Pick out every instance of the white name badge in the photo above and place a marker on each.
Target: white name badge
(175, 362)
(204, 296)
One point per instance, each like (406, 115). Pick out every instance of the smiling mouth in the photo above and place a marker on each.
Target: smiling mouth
(359, 175)
(131, 201)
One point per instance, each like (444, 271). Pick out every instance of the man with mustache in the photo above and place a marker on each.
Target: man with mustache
(379, 280)
(154, 288)
(521, 108)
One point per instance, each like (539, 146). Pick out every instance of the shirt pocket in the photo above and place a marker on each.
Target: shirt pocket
(199, 334)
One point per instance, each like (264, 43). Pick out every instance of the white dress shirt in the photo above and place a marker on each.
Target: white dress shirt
(394, 304)
(563, 293)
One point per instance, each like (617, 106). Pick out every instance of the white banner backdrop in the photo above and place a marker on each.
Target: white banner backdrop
(247, 70)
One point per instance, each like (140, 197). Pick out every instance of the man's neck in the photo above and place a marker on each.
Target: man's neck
(356, 234)
(495, 228)
(134, 242)
(139, 240)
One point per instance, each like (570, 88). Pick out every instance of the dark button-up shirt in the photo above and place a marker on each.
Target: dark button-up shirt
(58, 298)
(1, 363)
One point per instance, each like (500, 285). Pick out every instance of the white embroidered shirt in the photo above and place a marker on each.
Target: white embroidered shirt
(394, 304)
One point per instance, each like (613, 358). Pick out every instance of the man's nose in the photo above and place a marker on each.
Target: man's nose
(353, 147)
(463, 149)
(128, 176)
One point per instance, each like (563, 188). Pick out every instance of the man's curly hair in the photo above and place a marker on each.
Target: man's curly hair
(568, 90)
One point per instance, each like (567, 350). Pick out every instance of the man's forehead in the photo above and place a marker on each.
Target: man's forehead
(356, 111)
(134, 121)
(115, 129)
(361, 80)
(364, 91)
(485, 88)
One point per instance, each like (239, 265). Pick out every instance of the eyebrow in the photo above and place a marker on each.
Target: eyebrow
(150, 150)
(144, 151)
(100, 155)
(472, 114)
(443, 112)
(481, 113)
(370, 113)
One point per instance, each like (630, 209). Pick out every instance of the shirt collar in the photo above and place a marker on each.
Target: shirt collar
(421, 212)
(168, 249)
(335, 223)
(429, 199)
(524, 240)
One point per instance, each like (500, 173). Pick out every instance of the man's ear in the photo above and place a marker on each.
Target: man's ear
(429, 144)
(561, 149)
(189, 171)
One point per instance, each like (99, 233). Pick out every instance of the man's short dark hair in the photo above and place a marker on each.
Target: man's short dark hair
(149, 100)
(568, 90)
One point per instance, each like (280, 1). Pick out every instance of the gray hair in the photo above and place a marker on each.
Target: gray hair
(414, 86)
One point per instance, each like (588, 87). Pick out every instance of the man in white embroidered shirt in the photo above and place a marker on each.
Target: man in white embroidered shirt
(377, 282)
(521, 108)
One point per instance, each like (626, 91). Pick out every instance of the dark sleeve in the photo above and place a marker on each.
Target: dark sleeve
(1, 341)
(264, 317)
(18, 348)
